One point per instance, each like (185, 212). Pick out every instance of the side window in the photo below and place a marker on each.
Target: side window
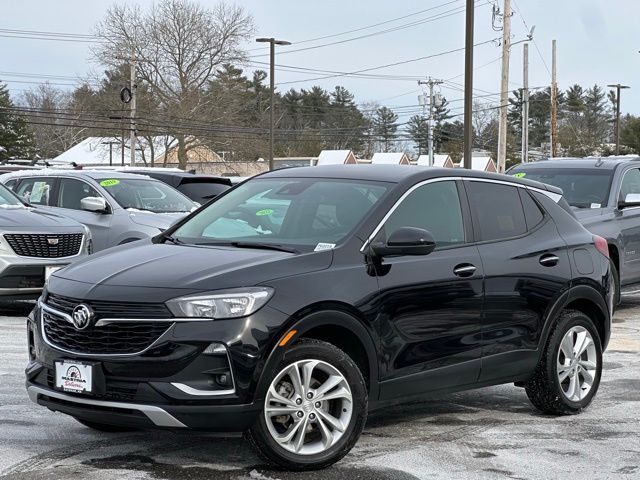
(434, 207)
(533, 215)
(630, 183)
(497, 209)
(36, 191)
(11, 184)
(72, 191)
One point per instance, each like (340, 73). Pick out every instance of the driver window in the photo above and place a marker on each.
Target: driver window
(72, 192)
(630, 184)
(434, 207)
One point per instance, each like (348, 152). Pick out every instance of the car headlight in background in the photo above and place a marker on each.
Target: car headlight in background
(234, 303)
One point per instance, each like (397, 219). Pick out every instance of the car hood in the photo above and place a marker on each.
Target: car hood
(158, 220)
(143, 265)
(29, 218)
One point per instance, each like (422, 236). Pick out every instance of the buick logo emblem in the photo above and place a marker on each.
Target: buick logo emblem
(82, 316)
(53, 241)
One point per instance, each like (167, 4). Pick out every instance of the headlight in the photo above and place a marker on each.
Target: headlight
(235, 303)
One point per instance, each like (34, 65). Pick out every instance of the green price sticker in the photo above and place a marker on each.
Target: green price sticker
(109, 183)
(262, 213)
(520, 175)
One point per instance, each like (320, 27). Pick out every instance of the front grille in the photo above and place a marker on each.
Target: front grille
(110, 339)
(45, 245)
(105, 309)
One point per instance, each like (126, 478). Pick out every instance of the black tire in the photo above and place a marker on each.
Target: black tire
(544, 389)
(260, 438)
(103, 427)
(617, 296)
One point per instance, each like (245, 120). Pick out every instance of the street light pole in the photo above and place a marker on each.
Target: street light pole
(272, 85)
(468, 84)
(618, 87)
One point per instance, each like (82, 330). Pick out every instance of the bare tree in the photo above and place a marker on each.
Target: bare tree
(179, 46)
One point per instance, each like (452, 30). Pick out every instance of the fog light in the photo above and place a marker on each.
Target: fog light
(215, 349)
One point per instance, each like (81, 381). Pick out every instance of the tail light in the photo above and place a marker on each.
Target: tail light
(601, 245)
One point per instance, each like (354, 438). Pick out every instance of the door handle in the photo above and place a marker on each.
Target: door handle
(549, 260)
(464, 270)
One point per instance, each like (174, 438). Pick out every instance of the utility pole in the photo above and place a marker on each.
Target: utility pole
(554, 102)
(525, 103)
(133, 87)
(430, 82)
(468, 84)
(504, 86)
(618, 87)
(272, 85)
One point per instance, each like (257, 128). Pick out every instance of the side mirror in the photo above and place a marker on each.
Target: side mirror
(406, 241)
(94, 204)
(630, 200)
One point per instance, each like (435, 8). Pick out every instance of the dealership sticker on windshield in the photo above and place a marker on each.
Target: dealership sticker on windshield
(264, 212)
(324, 246)
(520, 174)
(109, 183)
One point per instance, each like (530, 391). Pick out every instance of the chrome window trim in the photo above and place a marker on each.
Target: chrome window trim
(553, 196)
(44, 259)
(157, 415)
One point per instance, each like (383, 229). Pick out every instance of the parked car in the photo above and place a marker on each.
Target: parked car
(117, 207)
(199, 188)
(605, 196)
(380, 285)
(33, 244)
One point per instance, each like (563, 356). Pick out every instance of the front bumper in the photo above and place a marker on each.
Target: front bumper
(172, 385)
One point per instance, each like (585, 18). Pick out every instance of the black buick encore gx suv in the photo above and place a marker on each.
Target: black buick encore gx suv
(300, 300)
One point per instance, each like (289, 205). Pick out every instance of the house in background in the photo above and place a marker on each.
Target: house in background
(390, 158)
(439, 160)
(336, 157)
(483, 164)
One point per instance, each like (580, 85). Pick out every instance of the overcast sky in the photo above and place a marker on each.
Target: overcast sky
(598, 42)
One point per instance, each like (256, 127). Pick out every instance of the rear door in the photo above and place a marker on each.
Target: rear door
(430, 306)
(526, 268)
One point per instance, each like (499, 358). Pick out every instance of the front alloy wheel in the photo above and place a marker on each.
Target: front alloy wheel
(314, 408)
(577, 363)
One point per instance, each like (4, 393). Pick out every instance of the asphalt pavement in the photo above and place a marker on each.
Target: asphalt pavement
(491, 433)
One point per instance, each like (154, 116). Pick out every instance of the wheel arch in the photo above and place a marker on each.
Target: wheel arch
(335, 324)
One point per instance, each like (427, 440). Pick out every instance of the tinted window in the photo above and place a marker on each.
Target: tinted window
(582, 188)
(304, 213)
(36, 191)
(532, 213)
(72, 192)
(630, 183)
(202, 191)
(434, 207)
(497, 209)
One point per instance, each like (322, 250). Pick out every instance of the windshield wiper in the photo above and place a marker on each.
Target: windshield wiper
(262, 246)
(169, 238)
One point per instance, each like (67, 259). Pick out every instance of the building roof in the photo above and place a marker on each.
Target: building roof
(439, 159)
(334, 157)
(390, 158)
(95, 151)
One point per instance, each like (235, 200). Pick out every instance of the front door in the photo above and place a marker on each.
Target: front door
(629, 221)
(430, 306)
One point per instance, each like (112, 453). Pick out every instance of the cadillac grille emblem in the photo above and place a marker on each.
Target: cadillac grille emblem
(82, 316)
(53, 241)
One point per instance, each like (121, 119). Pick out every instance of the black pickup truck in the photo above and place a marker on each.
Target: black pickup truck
(605, 196)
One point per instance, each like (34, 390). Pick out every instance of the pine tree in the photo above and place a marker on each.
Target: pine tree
(15, 139)
(418, 129)
(385, 127)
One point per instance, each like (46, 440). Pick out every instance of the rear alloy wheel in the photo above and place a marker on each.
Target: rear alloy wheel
(314, 409)
(568, 374)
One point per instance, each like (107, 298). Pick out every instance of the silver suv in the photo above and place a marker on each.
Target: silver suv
(33, 244)
(117, 207)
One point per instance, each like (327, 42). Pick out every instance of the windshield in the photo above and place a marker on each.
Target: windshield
(301, 213)
(8, 199)
(146, 194)
(582, 188)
